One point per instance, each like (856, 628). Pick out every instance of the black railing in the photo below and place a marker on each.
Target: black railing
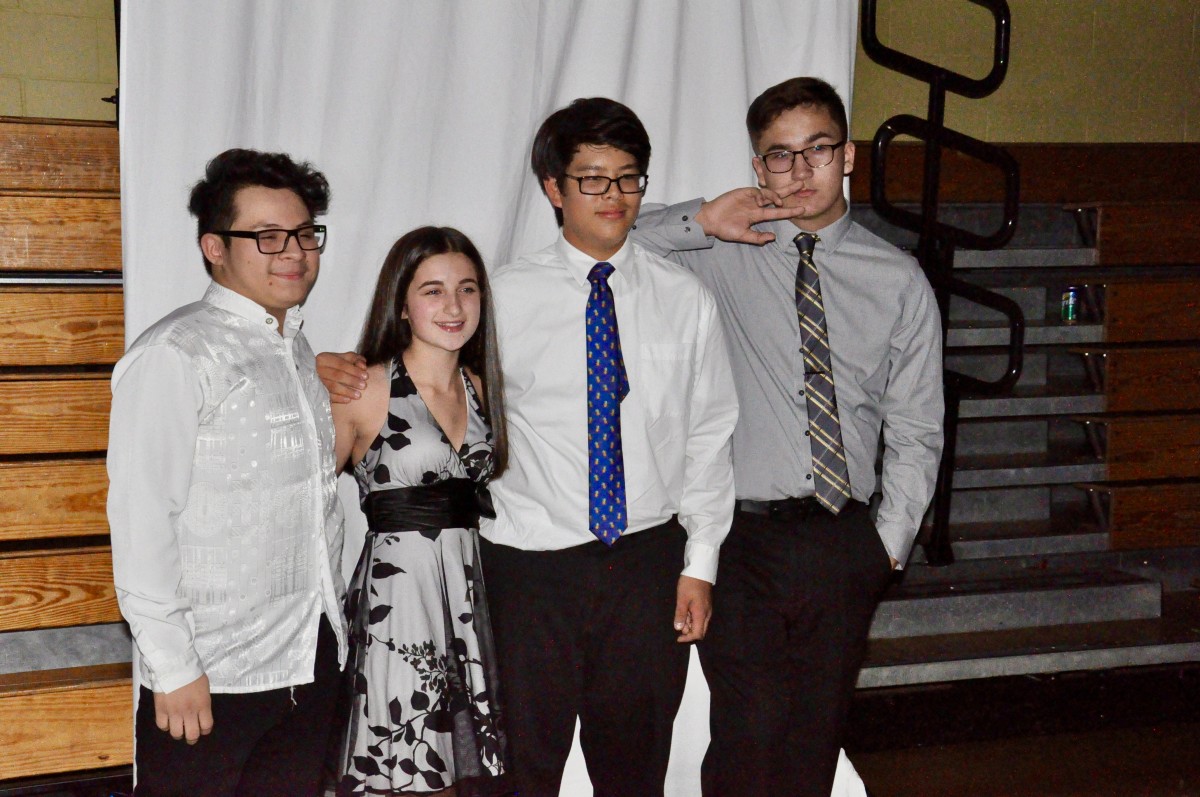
(938, 240)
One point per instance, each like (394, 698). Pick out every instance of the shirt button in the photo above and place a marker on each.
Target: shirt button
(270, 321)
(808, 478)
(685, 218)
(807, 433)
(687, 229)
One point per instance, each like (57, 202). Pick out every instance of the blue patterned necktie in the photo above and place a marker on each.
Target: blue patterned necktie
(606, 387)
(831, 481)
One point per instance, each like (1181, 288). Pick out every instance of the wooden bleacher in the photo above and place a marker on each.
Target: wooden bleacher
(59, 216)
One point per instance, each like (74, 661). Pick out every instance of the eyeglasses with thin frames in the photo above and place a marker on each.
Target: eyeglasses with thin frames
(818, 156)
(310, 237)
(596, 185)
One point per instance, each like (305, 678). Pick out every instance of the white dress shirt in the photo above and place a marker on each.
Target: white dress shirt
(676, 421)
(226, 527)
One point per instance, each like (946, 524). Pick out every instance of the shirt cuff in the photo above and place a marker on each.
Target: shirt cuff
(168, 673)
(700, 561)
(897, 540)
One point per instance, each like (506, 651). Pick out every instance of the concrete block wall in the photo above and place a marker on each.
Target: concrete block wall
(58, 58)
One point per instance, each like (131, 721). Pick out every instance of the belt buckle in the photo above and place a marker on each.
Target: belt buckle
(795, 508)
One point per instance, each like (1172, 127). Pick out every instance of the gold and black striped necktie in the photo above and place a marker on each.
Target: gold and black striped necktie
(830, 477)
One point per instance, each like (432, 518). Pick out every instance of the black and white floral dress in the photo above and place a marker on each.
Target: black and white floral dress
(422, 695)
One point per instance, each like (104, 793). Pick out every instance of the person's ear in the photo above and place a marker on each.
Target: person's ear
(848, 166)
(553, 192)
(760, 171)
(214, 249)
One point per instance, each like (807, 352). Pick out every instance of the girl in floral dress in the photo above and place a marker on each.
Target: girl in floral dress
(424, 439)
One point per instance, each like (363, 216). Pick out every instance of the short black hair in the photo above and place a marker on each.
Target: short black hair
(212, 199)
(595, 121)
(798, 92)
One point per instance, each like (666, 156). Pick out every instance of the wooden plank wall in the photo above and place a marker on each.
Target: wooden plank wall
(59, 217)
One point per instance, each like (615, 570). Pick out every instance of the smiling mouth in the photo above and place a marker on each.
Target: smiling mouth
(450, 326)
(290, 276)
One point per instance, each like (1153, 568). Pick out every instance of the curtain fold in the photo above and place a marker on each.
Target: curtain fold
(422, 112)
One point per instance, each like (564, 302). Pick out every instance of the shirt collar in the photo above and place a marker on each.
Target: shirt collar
(579, 264)
(831, 236)
(233, 302)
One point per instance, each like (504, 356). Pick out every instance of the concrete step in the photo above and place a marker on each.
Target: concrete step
(1021, 538)
(1038, 225)
(1058, 397)
(1172, 637)
(1059, 465)
(1038, 332)
(1019, 600)
(1027, 258)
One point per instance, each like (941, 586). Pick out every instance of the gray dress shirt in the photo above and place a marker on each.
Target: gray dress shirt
(885, 339)
(226, 526)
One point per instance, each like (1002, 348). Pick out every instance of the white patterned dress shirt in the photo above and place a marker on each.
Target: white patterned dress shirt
(226, 527)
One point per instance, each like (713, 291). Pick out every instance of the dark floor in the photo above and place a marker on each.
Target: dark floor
(1156, 761)
(1115, 733)
(1119, 733)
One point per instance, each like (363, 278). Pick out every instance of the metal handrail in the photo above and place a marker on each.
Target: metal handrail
(938, 240)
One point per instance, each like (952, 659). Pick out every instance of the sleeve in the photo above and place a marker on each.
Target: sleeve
(152, 438)
(669, 230)
(913, 413)
(706, 505)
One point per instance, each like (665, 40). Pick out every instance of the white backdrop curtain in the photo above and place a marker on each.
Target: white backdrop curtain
(422, 112)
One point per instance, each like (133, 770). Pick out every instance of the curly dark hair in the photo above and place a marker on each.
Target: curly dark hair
(212, 199)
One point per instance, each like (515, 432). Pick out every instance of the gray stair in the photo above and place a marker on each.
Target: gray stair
(1037, 333)
(1058, 398)
(1035, 586)
(1021, 600)
(1055, 467)
(1026, 257)
(1173, 637)
(1022, 538)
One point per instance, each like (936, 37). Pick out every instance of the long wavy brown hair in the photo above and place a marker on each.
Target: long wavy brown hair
(386, 335)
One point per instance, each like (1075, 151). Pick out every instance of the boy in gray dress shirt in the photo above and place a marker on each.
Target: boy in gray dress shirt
(799, 582)
(226, 527)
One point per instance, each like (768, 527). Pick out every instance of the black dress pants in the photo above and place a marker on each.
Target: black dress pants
(791, 611)
(587, 631)
(262, 743)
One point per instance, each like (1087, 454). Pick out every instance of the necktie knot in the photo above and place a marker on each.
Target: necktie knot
(600, 273)
(806, 242)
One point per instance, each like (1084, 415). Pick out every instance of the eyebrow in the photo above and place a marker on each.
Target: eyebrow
(805, 142)
(624, 168)
(465, 281)
(269, 225)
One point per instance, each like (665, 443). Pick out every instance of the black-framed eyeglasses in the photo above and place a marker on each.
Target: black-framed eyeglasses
(818, 156)
(595, 184)
(310, 237)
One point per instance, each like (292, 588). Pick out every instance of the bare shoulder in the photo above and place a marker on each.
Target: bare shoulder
(363, 412)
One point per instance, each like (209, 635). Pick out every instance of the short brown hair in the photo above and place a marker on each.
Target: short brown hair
(797, 92)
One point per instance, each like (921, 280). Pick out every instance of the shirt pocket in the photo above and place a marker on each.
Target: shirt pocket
(664, 383)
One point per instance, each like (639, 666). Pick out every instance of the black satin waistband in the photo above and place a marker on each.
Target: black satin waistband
(451, 504)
